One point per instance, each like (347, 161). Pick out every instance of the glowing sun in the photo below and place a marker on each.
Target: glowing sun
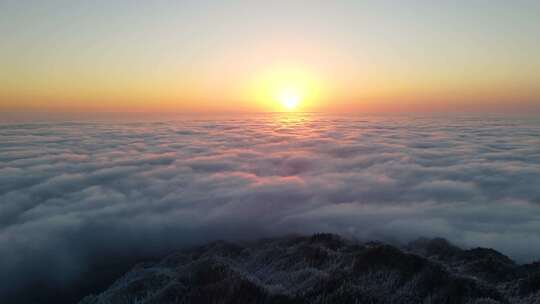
(286, 89)
(289, 98)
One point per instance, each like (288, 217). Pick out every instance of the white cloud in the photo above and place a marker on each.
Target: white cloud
(73, 193)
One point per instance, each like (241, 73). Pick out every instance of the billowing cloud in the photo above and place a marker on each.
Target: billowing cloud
(72, 194)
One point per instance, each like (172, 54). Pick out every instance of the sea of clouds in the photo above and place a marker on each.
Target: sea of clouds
(75, 193)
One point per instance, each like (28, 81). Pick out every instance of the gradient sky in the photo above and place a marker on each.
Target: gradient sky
(233, 55)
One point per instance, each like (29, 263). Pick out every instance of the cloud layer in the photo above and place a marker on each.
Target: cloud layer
(74, 193)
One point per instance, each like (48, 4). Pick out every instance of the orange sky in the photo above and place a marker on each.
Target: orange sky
(239, 56)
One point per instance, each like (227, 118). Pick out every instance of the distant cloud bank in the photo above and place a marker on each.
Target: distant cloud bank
(71, 193)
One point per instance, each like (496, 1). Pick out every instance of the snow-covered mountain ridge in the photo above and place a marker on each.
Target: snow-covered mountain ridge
(325, 268)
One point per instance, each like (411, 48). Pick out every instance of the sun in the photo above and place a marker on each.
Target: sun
(283, 88)
(289, 98)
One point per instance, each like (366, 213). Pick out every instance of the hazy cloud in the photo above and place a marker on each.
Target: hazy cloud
(71, 193)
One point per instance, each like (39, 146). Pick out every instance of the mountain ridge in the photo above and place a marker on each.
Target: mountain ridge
(327, 268)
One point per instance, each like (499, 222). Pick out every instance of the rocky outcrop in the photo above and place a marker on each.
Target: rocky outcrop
(326, 268)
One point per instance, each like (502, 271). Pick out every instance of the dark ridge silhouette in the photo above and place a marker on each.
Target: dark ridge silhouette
(325, 268)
